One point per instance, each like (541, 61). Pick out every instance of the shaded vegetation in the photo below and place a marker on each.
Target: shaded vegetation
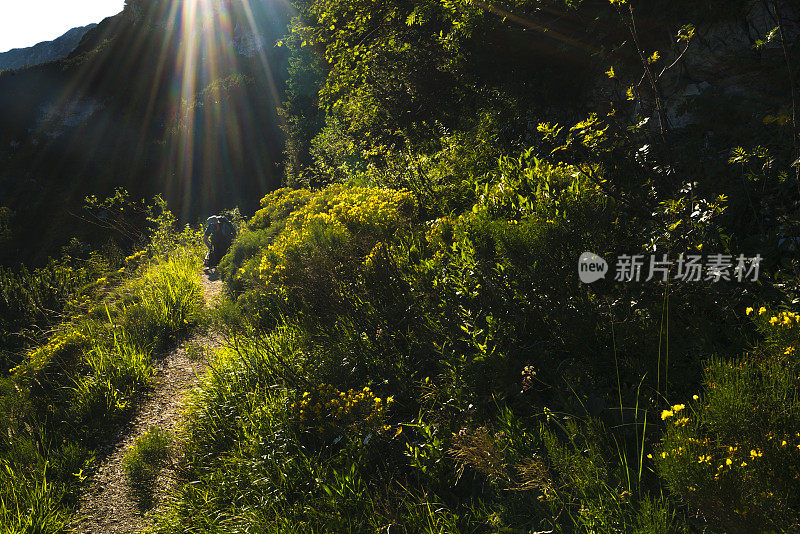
(409, 345)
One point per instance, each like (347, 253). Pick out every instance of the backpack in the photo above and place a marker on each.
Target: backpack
(227, 230)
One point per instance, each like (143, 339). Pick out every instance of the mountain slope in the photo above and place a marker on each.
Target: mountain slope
(187, 113)
(44, 51)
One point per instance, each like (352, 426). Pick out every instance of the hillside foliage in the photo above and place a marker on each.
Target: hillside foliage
(408, 343)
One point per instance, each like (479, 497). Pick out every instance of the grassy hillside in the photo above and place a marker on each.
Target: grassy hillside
(65, 396)
(448, 373)
(409, 346)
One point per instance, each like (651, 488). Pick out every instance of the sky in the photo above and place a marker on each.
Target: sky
(24, 23)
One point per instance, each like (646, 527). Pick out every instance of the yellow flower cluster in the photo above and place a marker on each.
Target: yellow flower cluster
(683, 421)
(343, 212)
(286, 198)
(675, 409)
(277, 205)
(750, 310)
(378, 208)
(729, 458)
(327, 404)
(785, 319)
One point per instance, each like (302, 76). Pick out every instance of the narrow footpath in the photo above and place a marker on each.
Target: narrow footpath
(109, 506)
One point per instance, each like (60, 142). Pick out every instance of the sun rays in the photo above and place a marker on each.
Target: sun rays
(186, 92)
(212, 132)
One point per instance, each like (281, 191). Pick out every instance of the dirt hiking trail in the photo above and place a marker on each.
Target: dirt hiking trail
(108, 506)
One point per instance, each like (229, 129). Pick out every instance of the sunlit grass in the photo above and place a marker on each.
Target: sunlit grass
(62, 400)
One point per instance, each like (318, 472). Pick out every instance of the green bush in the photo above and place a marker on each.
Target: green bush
(733, 452)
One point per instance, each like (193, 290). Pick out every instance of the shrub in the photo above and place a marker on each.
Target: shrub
(733, 452)
(312, 253)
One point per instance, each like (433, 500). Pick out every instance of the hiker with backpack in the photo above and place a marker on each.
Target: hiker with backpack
(218, 237)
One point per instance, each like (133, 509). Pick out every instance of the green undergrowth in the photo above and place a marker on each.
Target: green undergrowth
(66, 395)
(390, 368)
(143, 462)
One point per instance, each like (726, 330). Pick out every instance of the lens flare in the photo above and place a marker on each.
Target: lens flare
(171, 96)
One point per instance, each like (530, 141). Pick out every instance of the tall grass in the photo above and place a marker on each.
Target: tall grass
(167, 299)
(31, 504)
(63, 398)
